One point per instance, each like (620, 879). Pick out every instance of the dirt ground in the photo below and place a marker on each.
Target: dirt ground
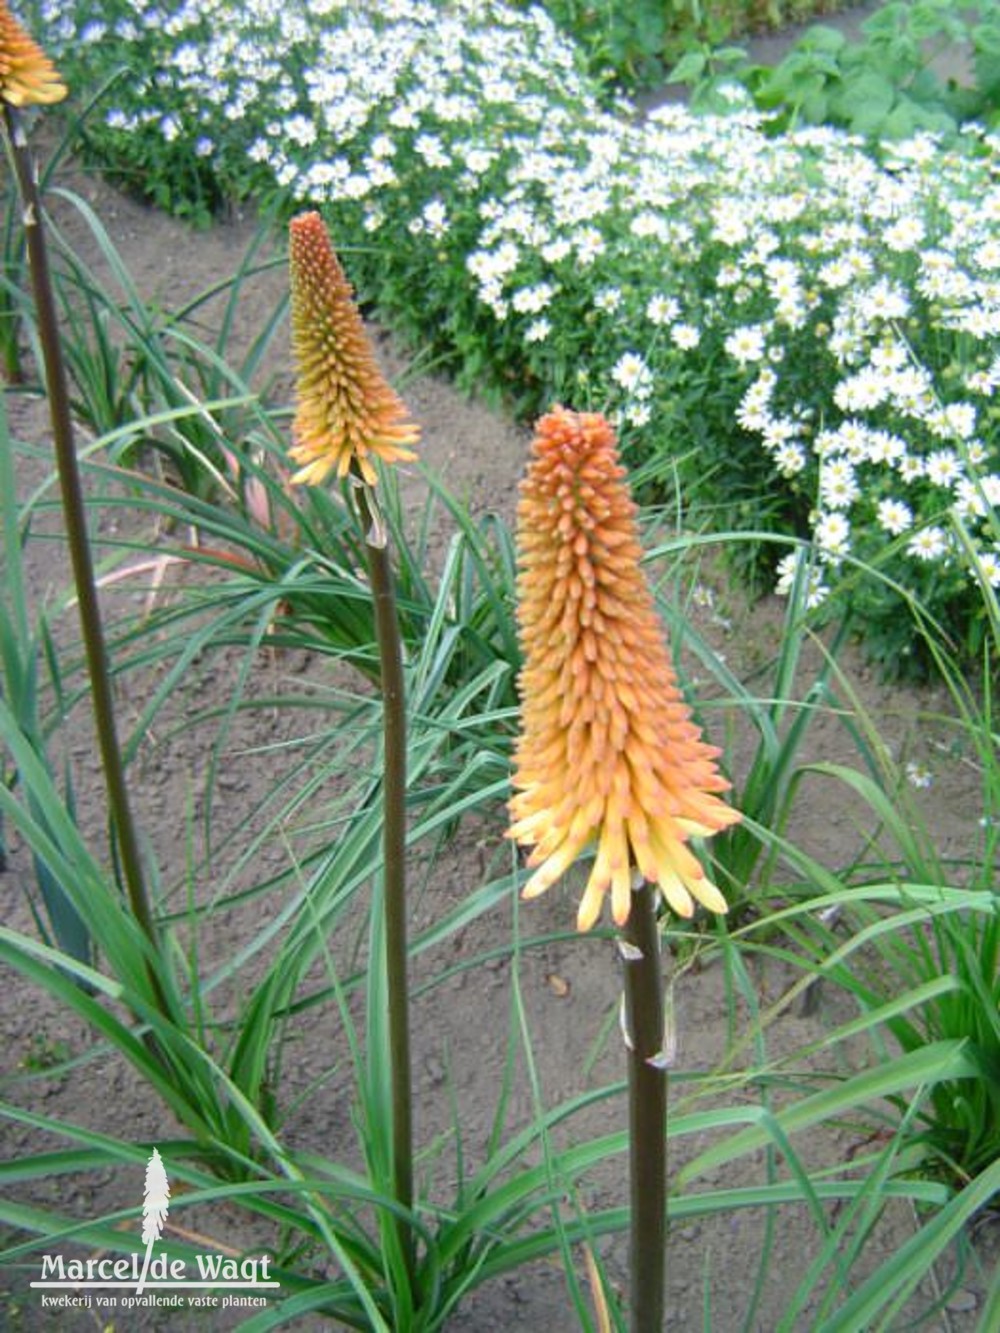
(460, 1027)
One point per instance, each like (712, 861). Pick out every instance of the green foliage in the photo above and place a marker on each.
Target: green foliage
(961, 1124)
(462, 658)
(941, 943)
(133, 365)
(885, 85)
(634, 42)
(24, 648)
(621, 41)
(500, 1214)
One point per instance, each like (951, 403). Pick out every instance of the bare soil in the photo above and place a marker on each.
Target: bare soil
(570, 989)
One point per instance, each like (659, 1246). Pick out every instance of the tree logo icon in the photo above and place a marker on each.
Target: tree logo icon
(155, 1203)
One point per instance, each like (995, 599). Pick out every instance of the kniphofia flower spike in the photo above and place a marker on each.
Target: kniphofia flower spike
(345, 410)
(27, 76)
(608, 755)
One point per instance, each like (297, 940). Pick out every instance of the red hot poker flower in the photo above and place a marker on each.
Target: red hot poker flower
(27, 76)
(608, 754)
(345, 411)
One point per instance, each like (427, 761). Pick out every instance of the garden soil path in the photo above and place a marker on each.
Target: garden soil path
(569, 989)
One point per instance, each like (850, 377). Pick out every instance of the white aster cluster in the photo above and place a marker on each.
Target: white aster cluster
(822, 299)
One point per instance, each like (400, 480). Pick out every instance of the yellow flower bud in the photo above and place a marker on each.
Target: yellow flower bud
(345, 411)
(27, 76)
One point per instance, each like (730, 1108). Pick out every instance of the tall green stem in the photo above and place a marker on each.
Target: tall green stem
(647, 1093)
(394, 855)
(74, 513)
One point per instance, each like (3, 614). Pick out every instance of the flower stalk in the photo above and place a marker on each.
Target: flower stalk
(347, 418)
(71, 489)
(609, 762)
(647, 1110)
(393, 689)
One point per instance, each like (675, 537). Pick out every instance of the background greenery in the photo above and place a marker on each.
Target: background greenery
(667, 272)
(636, 44)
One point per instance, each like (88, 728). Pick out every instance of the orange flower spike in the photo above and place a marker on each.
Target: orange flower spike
(607, 756)
(345, 410)
(27, 76)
